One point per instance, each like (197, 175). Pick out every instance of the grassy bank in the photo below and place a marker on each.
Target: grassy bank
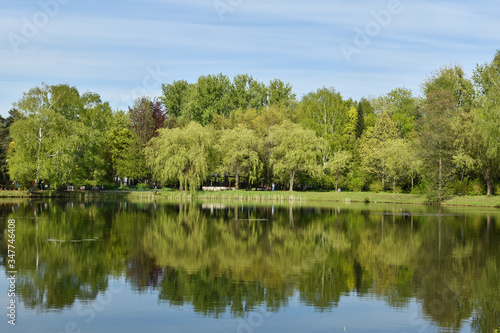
(282, 196)
(262, 196)
(14, 194)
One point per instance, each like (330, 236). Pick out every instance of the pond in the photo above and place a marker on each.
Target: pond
(243, 267)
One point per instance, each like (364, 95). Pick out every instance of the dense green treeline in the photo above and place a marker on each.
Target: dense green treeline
(234, 259)
(445, 142)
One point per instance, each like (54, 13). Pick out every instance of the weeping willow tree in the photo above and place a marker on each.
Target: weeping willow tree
(239, 151)
(181, 154)
(294, 150)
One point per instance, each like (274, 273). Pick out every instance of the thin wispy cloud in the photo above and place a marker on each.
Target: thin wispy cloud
(110, 47)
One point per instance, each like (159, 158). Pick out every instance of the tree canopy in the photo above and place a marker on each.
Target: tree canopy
(444, 142)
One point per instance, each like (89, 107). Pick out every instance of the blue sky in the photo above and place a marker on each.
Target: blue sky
(125, 49)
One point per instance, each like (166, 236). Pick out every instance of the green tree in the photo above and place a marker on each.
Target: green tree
(360, 120)
(65, 135)
(339, 162)
(374, 147)
(239, 151)
(453, 80)
(248, 93)
(435, 142)
(487, 119)
(119, 138)
(6, 139)
(90, 154)
(280, 94)
(262, 122)
(182, 154)
(326, 113)
(370, 118)
(402, 107)
(176, 96)
(213, 95)
(294, 150)
(42, 143)
(398, 160)
(62, 98)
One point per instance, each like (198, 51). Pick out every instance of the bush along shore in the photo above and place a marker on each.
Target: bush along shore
(258, 196)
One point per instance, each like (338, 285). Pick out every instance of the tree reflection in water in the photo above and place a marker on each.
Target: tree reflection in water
(228, 257)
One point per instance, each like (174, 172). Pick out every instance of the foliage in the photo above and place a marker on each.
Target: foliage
(60, 136)
(280, 94)
(326, 113)
(42, 142)
(436, 143)
(249, 93)
(487, 119)
(360, 120)
(402, 107)
(376, 186)
(453, 80)
(142, 186)
(239, 152)
(294, 150)
(450, 136)
(6, 139)
(175, 97)
(338, 164)
(356, 184)
(182, 154)
(476, 188)
(146, 117)
(376, 148)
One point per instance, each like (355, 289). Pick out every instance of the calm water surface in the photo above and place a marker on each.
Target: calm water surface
(232, 267)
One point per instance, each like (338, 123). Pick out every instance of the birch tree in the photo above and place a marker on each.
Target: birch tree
(326, 113)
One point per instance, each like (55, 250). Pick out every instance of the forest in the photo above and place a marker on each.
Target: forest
(443, 142)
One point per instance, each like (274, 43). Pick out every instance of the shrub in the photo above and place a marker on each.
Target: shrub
(476, 188)
(460, 187)
(376, 186)
(420, 188)
(356, 184)
(142, 186)
(110, 186)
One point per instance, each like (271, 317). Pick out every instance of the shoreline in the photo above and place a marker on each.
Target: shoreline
(262, 196)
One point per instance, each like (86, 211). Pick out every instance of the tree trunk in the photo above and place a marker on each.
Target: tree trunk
(336, 181)
(440, 185)
(292, 174)
(489, 184)
(237, 180)
(383, 184)
(394, 186)
(38, 160)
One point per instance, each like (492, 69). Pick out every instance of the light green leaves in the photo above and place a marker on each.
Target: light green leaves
(294, 150)
(182, 154)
